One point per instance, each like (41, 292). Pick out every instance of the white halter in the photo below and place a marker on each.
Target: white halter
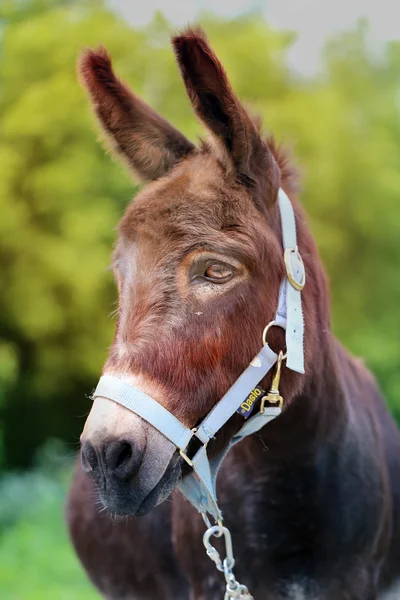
(199, 486)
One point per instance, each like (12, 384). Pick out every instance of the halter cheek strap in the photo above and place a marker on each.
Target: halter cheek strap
(199, 486)
(290, 314)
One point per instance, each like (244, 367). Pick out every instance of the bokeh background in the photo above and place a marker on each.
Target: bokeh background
(325, 80)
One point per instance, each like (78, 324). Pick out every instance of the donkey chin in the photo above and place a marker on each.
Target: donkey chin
(132, 464)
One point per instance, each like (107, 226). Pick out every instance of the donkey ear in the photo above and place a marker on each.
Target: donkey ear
(219, 109)
(146, 142)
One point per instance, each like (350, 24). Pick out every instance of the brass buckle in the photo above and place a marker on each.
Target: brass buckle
(219, 523)
(185, 456)
(273, 395)
(266, 329)
(289, 273)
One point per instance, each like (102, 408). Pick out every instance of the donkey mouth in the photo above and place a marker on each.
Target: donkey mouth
(163, 489)
(130, 499)
(133, 465)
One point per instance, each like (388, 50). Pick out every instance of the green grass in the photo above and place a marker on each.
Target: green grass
(37, 561)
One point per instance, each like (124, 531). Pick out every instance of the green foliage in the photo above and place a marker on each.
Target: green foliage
(22, 493)
(61, 196)
(37, 561)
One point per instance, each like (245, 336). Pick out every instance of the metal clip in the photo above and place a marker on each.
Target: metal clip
(273, 394)
(233, 588)
(213, 553)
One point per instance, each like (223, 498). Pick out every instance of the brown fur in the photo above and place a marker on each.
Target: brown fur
(144, 140)
(320, 509)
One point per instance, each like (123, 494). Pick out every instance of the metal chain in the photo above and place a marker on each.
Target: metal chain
(234, 590)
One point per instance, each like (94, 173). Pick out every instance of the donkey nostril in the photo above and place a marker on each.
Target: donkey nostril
(124, 455)
(121, 459)
(89, 458)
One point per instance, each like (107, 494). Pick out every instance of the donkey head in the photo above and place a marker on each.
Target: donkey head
(198, 263)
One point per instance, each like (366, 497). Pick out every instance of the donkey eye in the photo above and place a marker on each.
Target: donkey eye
(218, 273)
(211, 270)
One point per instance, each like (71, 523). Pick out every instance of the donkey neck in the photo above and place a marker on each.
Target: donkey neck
(316, 403)
(316, 415)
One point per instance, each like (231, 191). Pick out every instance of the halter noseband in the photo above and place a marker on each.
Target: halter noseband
(199, 486)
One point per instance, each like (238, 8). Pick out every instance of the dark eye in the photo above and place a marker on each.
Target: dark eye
(211, 270)
(218, 273)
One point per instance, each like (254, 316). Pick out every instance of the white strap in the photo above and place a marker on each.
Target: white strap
(199, 486)
(230, 402)
(143, 405)
(257, 422)
(289, 297)
(288, 220)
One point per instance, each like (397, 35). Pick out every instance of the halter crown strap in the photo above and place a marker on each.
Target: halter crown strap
(290, 313)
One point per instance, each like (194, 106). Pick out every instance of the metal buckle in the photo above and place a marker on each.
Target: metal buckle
(185, 456)
(267, 328)
(289, 272)
(273, 395)
(219, 523)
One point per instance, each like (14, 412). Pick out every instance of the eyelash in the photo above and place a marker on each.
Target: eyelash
(198, 271)
(217, 279)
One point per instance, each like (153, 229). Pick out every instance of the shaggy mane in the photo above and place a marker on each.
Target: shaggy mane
(290, 175)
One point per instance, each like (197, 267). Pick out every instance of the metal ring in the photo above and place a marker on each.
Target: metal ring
(184, 455)
(298, 285)
(186, 458)
(206, 520)
(267, 328)
(208, 523)
(221, 527)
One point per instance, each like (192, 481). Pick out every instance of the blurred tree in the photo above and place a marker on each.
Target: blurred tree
(61, 196)
(59, 201)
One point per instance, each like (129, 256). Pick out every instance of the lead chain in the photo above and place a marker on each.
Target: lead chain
(234, 590)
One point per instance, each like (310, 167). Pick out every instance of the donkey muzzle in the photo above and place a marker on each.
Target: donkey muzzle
(132, 464)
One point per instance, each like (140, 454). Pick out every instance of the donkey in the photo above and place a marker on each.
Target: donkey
(313, 499)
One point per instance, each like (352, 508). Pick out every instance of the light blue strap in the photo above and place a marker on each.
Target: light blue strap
(256, 422)
(280, 317)
(230, 402)
(290, 312)
(288, 220)
(143, 405)
(199, 486)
